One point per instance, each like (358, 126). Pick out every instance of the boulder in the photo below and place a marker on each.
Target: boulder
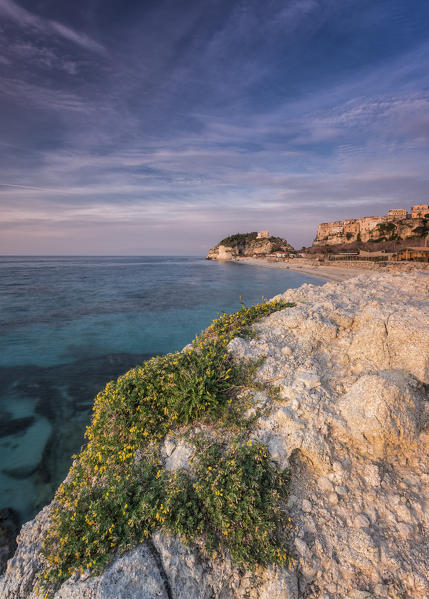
(382, 413)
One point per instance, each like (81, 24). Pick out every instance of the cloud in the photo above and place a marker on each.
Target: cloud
(39, 55)
(228, 116)
(20, 15)
(25, 18)
(32, 94)
(13, 186)
(78, 38)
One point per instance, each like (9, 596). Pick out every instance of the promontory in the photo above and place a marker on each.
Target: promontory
(248, 244)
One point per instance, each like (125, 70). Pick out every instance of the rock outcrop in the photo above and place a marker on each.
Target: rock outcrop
(351, 361)
(248, 244)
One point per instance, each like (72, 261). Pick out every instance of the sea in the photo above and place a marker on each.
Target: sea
(68, 325)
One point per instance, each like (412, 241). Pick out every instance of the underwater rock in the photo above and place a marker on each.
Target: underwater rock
(15, 425)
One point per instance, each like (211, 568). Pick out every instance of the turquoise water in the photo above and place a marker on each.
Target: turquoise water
(70, 324)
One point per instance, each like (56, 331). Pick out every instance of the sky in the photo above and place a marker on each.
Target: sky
(161, 126)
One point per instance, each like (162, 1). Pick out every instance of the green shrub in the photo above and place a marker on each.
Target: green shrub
(278, 244)
(117, 492)
(386, 227)
(240, 493)
(238, 239)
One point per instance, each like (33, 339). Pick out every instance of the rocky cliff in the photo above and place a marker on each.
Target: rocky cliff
(350, 420)
(247, 244)
(397, 225)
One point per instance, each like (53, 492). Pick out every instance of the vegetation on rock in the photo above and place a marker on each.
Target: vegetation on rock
(238, 239)
(242, 239)
(118, 491)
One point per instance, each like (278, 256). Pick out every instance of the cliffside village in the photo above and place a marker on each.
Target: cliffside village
(398, 223)
(400, 235)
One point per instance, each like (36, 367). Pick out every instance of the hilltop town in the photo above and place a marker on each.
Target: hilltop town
(397, 225)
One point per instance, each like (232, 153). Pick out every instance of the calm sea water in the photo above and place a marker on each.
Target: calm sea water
(70, 324)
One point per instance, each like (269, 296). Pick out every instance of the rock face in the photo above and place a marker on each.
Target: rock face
(248, 244)
(396, 225)
(351, 361)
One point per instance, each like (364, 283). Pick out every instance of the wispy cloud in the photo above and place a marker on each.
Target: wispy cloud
(20, 15)
(78, 38)
(32, 94)
(227, 116)
(41, 56)
(25, 18)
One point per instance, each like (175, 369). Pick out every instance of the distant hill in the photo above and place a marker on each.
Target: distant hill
(248, 244)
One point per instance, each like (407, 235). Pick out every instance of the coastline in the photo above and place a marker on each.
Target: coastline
(327, 273)
(333, 272)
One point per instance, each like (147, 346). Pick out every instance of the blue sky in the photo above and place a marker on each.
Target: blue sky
(159, 127)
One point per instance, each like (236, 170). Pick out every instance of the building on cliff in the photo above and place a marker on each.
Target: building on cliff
(397, 214)
(398, 224)
(420, 211)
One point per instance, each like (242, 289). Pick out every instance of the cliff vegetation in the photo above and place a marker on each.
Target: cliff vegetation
(238, 239)
(118, 492)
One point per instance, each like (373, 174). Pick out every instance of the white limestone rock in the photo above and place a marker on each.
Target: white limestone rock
(134, 575)
(180, 456)
(382, 412)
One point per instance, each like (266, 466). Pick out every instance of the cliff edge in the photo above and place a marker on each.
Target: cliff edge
(350, 421)
(248, 244)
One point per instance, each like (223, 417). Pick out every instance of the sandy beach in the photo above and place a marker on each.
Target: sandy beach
(334, 271)
(325, 272)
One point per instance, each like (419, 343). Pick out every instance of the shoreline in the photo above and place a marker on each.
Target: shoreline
(326, 273)
(335, 273)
